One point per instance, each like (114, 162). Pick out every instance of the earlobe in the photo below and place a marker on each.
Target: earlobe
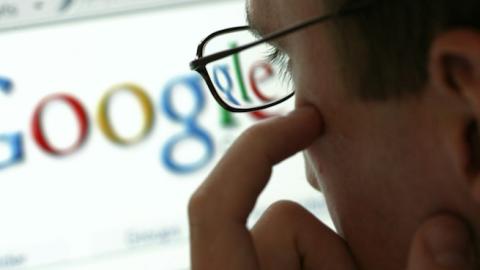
(454, 69)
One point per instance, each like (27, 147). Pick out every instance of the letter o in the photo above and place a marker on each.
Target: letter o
(104, 121)
(37, 127)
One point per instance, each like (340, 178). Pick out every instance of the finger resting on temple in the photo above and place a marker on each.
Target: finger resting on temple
(219, 208)
(232, 188)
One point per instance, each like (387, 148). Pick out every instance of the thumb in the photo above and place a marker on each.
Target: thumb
(442, 243)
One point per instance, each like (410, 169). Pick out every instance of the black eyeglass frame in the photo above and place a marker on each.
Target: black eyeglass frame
(200, 63)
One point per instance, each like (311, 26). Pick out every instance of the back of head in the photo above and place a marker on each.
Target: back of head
(393, 38)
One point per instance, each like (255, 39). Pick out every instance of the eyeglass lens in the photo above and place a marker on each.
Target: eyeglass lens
(252, 78)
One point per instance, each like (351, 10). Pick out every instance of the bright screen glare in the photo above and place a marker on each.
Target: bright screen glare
(125, 134)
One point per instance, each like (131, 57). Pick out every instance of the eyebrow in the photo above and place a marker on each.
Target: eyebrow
(254, 28)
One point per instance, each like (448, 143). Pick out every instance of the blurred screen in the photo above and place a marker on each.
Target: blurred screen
(105, 133)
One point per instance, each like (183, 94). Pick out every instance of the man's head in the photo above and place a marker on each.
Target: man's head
(389, 43)
(398, 85)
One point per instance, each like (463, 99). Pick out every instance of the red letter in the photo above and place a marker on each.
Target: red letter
(267, 68)
(37, 129)
(253, 84)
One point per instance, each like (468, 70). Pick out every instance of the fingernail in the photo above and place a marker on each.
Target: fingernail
(450, 244)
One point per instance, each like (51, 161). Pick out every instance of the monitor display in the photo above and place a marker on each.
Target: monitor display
(105, 133)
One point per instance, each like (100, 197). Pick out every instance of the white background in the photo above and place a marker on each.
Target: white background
(75, 212)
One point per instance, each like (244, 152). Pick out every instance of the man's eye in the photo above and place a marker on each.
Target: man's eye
(281, 63)
(273, 55)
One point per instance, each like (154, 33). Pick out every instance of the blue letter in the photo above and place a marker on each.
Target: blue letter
(226, 89)
(16, 149)
(6, 85)
(14, 141)
(192, 129)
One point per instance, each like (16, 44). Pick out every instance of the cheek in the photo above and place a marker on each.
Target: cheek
(330, 162)
(317, 83)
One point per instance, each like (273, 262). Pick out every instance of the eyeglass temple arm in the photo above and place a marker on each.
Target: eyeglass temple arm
(201, 62)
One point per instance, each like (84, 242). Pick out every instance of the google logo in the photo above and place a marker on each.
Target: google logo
(191, 127)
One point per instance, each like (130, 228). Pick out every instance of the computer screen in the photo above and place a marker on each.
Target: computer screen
(105, 132)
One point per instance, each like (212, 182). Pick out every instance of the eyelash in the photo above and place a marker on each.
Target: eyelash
(280, 58)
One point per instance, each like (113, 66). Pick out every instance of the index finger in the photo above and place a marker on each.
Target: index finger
(220, 207)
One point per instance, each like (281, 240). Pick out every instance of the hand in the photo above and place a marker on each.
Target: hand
(442, 243)
(287, 236)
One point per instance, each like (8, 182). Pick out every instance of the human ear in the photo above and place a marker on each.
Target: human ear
(454, 68)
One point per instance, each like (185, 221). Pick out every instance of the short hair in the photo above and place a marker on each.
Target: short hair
(384, 48)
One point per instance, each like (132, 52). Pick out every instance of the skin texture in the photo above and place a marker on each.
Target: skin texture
(387, 168)
(384, 166)
(287, 236)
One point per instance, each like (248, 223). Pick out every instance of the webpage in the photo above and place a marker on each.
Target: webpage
(105, 133)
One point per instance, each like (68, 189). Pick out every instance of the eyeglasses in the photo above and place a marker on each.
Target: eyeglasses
(245, 72)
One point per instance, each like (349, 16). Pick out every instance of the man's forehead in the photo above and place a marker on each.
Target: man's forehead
(266, 16)
(259, 16)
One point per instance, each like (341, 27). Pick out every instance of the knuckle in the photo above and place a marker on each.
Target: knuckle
(284, 211)
(198, 206)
